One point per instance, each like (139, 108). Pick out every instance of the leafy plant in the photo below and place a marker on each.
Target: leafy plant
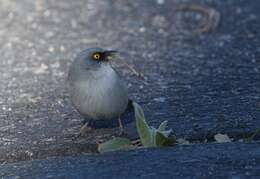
(114, 144)
(149, 136)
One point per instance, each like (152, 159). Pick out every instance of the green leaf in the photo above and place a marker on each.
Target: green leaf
(142, 127)
(251, 138)
(162, 140)
(153, 134)
(114, 144)
(166, 133)
(163, 126)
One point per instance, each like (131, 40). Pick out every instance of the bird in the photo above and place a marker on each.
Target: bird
(96, 90)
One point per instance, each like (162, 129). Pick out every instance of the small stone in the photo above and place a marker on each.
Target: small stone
(34, 26)
(62, 48)
(222, 138)
(51, 49)
(142, 29)
(41, 70)
(33, 53)
(74, 24)
(29, 18)
(47, 13)
(9, 45)
(28, 153)
(160, 99)
(183, 141)
(30, 44)
(49, 34)
(160, 2)
(89, 40)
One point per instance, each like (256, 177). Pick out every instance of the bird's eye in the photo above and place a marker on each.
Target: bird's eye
(96, 56)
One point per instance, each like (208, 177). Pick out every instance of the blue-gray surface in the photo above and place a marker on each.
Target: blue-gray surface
(230, 160)
(202, 84)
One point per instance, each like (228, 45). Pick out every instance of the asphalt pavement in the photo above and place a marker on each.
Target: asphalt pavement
(200, 60)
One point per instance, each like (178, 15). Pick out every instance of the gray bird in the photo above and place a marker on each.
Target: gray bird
(96, 90)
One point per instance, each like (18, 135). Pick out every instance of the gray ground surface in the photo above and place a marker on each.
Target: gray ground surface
(236, 160)
(202, 84)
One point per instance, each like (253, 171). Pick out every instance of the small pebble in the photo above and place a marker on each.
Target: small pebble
(160, 99)
(142, 29)
(51, 49)
(160, 2)
(62, 48)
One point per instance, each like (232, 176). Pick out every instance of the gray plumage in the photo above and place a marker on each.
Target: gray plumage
(96, 90)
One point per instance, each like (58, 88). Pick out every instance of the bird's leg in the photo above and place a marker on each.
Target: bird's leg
(121, 129)
(84, 121)
(83, 129)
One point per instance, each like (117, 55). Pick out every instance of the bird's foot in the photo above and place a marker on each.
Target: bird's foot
(85, 128)
(121, 133)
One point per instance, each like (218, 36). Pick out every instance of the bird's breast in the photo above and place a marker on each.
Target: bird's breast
(103, 95)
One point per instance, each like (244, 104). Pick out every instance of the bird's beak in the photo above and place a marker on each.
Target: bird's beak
(109, 54)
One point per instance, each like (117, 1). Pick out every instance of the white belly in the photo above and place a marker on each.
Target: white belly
(103, 96)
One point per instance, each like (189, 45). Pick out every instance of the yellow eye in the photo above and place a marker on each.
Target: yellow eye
(96, 56)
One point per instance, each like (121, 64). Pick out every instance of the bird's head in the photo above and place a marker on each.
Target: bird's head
(96, 57)
(91, 62)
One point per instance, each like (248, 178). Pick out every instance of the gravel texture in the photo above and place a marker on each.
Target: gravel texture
(202, 82)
